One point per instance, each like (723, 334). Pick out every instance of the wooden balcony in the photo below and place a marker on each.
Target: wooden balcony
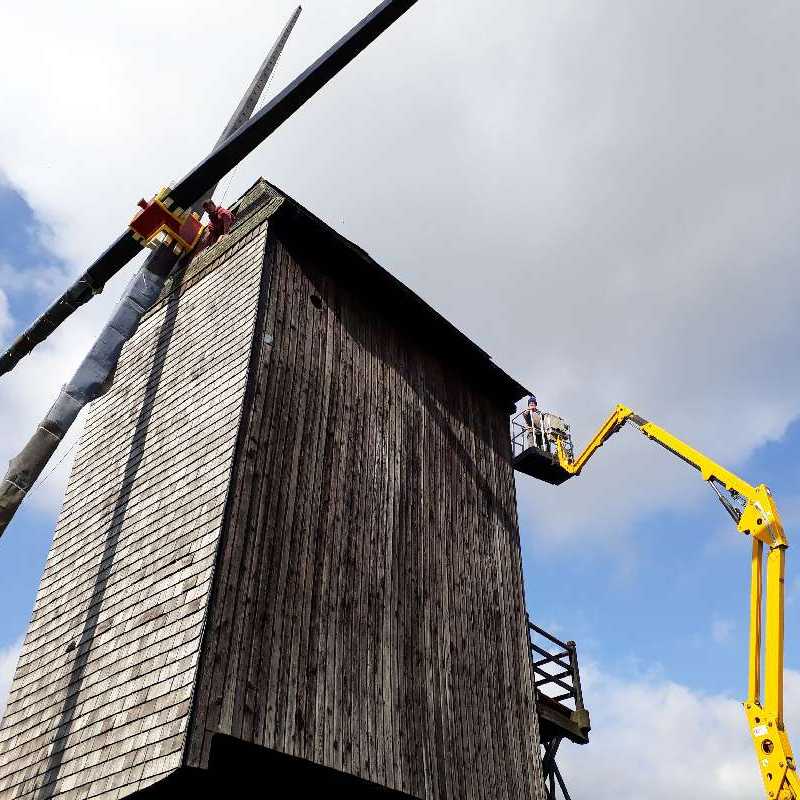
(559, 702)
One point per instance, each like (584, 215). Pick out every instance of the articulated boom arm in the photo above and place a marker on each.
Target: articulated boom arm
(755, 514)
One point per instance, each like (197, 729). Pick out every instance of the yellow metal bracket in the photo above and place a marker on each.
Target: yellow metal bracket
(774, 754)
(160, 221)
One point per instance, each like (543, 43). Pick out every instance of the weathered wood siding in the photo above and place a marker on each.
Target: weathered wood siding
(367, 611)
(101, 696)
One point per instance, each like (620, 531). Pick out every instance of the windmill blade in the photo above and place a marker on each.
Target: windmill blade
(212, 169)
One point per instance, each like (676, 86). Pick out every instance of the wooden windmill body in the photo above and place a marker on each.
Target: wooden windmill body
(288, 550)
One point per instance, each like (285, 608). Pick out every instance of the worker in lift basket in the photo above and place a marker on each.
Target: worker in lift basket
(220, 221)
(533, 419)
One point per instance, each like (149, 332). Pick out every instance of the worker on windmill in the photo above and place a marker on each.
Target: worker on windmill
(220, 221)
(533, 419)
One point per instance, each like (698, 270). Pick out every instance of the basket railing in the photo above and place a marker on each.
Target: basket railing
(543, 431)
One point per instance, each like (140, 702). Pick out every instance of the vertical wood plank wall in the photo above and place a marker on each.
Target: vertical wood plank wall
(100, 699)
(367, 611)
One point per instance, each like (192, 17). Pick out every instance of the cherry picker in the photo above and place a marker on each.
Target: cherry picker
(755, 514)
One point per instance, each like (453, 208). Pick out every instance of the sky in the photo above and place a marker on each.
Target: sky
(603, 195)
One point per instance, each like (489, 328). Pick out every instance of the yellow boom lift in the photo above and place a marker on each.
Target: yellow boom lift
(754, 512)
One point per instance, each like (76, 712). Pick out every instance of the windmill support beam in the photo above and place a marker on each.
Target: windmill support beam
(96, 371)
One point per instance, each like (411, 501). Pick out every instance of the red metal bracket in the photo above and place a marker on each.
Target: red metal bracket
(161, 222)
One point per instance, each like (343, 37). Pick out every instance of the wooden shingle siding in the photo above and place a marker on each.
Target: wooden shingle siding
(101, 696)
(367, 609)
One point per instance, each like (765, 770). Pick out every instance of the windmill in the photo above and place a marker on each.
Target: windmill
(289, 549)
(167, 225)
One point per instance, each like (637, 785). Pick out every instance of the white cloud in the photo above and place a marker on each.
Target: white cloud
(721, 630)
(8, 663)
(5, 315)
(657, 739)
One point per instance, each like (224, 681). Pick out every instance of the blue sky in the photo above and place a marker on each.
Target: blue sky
(25, 548)
(22, 243)
(603, 195)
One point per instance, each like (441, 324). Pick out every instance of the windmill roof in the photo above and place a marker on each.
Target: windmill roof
(354, 267)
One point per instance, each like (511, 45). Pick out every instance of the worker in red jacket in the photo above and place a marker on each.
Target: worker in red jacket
(220, 221)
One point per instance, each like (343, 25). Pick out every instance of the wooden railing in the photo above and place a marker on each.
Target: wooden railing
(556, 672)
